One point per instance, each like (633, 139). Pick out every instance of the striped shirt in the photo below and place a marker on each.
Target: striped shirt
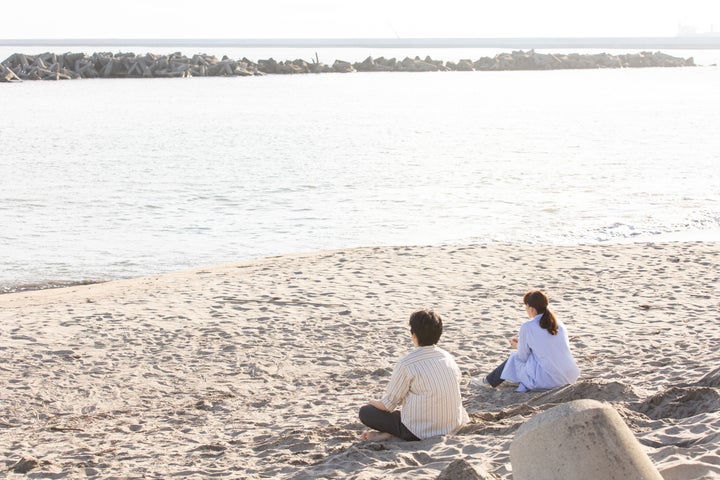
(426, 383)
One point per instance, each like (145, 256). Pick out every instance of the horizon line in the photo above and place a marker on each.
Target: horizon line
(700, 41)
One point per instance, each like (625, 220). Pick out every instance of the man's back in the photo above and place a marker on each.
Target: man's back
(428, 379)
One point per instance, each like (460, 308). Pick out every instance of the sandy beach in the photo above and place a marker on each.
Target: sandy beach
(257, 369)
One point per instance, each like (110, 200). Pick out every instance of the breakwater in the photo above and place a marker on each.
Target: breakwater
(51, 66)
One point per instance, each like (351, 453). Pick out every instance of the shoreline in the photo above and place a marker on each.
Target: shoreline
(256, 369)
(9, 287)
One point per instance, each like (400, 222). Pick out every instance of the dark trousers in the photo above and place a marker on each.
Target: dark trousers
(383, 421)
(494, 378)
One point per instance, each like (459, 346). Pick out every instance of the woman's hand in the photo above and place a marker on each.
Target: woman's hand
(513, 343)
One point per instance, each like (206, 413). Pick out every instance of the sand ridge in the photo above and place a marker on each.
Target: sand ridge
(257, 369)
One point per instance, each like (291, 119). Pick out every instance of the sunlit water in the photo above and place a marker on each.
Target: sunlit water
(104, 179)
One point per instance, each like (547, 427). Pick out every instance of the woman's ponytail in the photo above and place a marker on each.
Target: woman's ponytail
(549, 322)
(539, 301)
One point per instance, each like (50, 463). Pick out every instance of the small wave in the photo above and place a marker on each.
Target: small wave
(702, 227)
(29, 287)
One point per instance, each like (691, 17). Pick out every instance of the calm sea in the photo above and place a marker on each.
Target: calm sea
(106, 179)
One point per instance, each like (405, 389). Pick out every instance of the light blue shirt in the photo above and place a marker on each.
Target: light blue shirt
(542, 361)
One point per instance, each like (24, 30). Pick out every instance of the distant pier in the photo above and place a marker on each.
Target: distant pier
(67, 66)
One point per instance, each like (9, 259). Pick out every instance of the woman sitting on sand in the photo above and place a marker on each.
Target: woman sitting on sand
(543, 359)
(426, 382)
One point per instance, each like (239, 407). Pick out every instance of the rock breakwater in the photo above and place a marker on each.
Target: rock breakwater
(67, 66)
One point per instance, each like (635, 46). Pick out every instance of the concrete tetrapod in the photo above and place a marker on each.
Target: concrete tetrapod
(583, 439)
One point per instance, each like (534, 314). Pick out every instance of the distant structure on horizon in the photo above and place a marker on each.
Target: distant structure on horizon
(694, 31)
(688, 40)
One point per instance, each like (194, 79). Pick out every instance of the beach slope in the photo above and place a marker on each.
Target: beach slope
(257, 369)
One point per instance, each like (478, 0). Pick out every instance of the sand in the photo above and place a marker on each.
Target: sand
(257, 369)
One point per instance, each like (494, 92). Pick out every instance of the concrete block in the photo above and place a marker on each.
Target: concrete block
(583, 439)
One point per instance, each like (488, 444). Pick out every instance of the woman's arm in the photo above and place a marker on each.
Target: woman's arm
(523, 347)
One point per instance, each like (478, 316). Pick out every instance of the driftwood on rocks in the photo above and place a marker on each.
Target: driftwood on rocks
(51, 66)
(7, 75)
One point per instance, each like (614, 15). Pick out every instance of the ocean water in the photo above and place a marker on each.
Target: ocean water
(107, 179)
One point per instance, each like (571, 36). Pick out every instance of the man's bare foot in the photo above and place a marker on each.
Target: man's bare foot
(374, 436)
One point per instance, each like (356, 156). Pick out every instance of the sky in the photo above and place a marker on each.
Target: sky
(251, 19)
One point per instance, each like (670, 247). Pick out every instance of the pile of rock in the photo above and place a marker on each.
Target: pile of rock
(49, 66)
(529, 60)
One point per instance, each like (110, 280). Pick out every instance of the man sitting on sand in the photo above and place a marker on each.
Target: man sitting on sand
(426, 382)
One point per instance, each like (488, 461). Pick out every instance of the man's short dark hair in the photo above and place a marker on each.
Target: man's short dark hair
(427, 327)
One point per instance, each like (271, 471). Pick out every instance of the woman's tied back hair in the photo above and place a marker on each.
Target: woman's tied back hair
(539, 301)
